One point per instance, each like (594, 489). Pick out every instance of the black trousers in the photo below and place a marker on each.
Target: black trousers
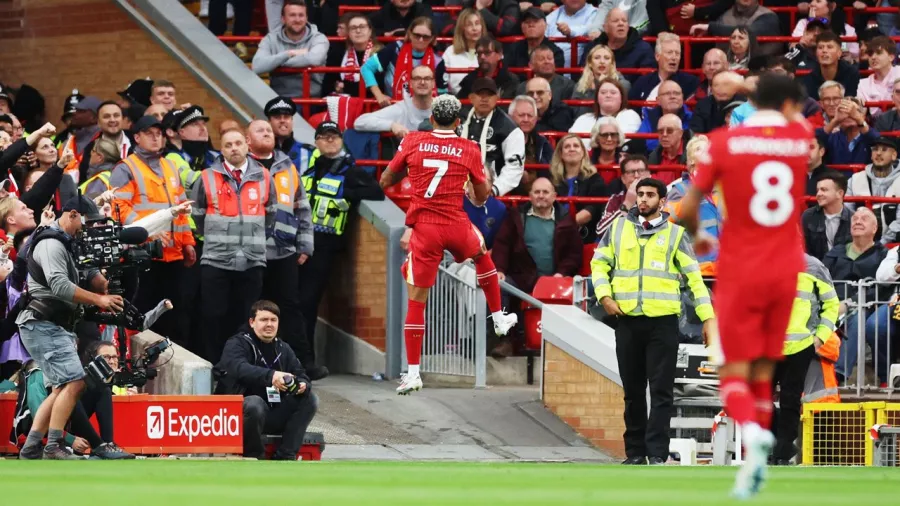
(218, 16)
(98, 401)
(163, 281)
(314, 278)
(80, 426)
(227, 297)
(647, 349)
(289, 418)
(281, 287)
(790, 374)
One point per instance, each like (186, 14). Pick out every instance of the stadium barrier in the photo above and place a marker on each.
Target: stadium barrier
(848, 434)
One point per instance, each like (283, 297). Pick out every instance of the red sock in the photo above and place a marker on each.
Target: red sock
(488, 281)
(738, 400)
(414, 331)
(762, 392)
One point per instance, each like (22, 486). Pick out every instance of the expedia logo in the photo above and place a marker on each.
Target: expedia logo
(161, 423)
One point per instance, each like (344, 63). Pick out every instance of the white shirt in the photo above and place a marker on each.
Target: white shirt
(654, 222)
(239, 170)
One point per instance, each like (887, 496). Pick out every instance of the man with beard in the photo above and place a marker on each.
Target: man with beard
(491, 63)
(146, 182)
(281, 111)
(109, 119)
(645, 295)
(289, 238)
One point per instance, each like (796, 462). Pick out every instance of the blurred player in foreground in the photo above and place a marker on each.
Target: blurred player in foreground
(443, 169)
(760, 167)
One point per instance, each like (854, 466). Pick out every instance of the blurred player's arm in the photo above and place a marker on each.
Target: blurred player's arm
(829, 303)
(687, 264)
(396, 170)
(688, 210)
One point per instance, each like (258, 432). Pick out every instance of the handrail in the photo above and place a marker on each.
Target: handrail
(516, 199)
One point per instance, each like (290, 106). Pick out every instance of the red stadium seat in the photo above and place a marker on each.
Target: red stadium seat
(549, 290)
(587, 253)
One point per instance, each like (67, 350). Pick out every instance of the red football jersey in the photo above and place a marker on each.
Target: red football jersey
(760, 167)
(440, 163)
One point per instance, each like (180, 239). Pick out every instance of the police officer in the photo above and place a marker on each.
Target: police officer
(334, 184)
(636, 271)
(280, 111)
(46, 324)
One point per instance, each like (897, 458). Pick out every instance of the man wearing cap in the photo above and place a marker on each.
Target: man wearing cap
(146, 182)
(334, 185)
(881, 178)
(47, 323)
(84, 130)
(491, 63)
(280, 111)
(236, 201)
(502, 143)
(109, 119)
(534, 28)
(137, 92)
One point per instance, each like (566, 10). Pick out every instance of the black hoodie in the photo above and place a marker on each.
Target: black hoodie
(248, 364)
(636, 53)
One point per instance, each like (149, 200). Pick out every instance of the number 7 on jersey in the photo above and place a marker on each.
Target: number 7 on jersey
(442, 167)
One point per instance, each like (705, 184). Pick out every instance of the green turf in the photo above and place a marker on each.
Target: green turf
(195, 483)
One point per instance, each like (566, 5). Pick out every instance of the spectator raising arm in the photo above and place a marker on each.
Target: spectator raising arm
(503, 23)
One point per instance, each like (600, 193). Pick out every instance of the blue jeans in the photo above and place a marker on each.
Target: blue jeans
(880, 327)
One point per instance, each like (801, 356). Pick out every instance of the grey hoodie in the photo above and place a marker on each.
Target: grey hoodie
(273, 53)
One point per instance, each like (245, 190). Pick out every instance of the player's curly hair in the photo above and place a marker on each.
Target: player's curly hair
(445, 110)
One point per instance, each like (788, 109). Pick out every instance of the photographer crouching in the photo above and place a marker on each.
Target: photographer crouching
(276, 389)
(46, 324)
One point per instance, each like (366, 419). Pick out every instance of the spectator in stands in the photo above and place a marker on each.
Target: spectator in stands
(85, 128)
(534, 26)
(856, 260)
(573, 175)
(104, 157)
(600, 66)
(671, 101)
(524, 112)
(110, 122)
(881, 178)
(163, 93)
(542, 66)
(573, 19)
(502, 143)
(709, 112)
(231, 276)
(749, 15)
(281, 111)
(396, 15)
(329, 234)
(827, 224)
(605, 138)
(849, 135)
(609, 101)
(831, 67)
(629, 49)
(461, 54)
(406, 116)
(492, 64)
(671, 147)
(158, 111)
(812, 111)
(668, 57)
(537, 239)
(714, 61)
(741, 47)
(831, 95)
(297, 44)
(501, 17)
(816, 163)
(278, 397)
(636, 12)
(879, 86)
(803, 53)
(242, 13)
(889, 120)
(387, 75)
(48, 157)
(361, 45)
(552, 115)
(833, 18)
(634, 168)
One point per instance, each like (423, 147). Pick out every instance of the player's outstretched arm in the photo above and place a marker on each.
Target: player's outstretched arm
(481, 192)
(689, 210)
(390, 177)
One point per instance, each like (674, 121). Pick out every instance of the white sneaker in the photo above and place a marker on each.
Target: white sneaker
(752, 475)
(409, 383)
(504, 323)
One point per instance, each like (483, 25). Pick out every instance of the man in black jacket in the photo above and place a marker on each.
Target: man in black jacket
(492, 64)
(534, 26)
(827, 224)
(396, 15)
(277, 393)
(831, 67)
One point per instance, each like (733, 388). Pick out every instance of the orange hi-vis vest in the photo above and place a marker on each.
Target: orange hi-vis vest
(235, 219)
(147, 193)
(821, 383)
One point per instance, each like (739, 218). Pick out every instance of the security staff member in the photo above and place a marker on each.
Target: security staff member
(280, 111)
(146, 182)
(46, 325)
(235, 205)
(636, 271)
(289, 238)
(334, 185)
(810, 342)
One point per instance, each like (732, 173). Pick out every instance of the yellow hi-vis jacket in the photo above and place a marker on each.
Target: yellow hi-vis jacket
(815, 308)
(642, 269)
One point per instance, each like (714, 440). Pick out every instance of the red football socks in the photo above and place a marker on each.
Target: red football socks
(414, 331)
(762, 392)
(488, 281)
(738, 400)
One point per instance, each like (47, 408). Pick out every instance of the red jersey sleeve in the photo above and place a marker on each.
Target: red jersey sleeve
(398, 163)
(704, 178)
(472, 158)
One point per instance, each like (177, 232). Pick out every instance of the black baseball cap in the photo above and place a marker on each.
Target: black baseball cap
(326, 127)
(146, 123)
(280, 105)
(533, 12)
(82, 204)
(885, 141)
(88, 103)
(484, 84)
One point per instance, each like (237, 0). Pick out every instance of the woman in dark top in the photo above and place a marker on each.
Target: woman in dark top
(360, 45)
(574, 176)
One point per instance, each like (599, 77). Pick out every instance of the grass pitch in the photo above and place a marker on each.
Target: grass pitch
(196, 483)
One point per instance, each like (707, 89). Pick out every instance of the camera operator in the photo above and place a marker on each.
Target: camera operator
(276, 389)
(46, 324)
